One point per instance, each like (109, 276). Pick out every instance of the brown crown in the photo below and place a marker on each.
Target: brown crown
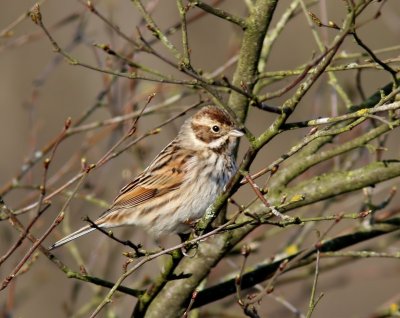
(216, 114)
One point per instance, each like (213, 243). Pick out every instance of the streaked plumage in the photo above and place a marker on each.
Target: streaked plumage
(180, 183)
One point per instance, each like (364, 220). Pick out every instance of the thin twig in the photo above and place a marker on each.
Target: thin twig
(220, 13)
(156, 30)
(22, 236)
(139, 252)
(365, 112)
(256, 189)
(38, 243)
(313, 302)
(189, 307)
(245, 251)
(386, 67)
(148, 258)
(185, 42)
(116, 29)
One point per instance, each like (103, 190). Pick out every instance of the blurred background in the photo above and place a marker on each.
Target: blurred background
(39, 90)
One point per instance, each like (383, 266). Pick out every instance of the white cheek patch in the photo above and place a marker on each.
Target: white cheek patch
(215, 144)
(196, 141)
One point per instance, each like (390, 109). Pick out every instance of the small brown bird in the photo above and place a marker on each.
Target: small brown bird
(180, 183)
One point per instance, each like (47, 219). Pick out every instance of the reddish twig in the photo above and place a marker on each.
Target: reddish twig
(257, 191)
(15, 271)
(189, 307)
(22, 236)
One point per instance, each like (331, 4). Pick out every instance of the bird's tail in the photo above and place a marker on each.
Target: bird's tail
(72, 236)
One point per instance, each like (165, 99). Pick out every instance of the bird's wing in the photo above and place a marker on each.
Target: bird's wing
(165, 174)
(161, 177)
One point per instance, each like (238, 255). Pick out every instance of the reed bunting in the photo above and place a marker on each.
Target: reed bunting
(180, 183)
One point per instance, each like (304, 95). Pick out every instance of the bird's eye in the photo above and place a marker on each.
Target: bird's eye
(215, 128)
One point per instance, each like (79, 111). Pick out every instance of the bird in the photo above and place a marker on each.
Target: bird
(181, 182)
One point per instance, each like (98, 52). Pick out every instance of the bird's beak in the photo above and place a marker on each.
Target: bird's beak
(236, 133)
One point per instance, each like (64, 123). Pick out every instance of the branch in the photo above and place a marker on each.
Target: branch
(309, 156)
(220, 13)
(357, 114)
(156, 30)
(249, 56)
(374, 57)
(166, 303)
(262, 272)
(313, 190)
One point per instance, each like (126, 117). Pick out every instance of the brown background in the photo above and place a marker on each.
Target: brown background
(352, 290)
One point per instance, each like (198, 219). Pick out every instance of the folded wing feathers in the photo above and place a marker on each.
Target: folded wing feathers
(149, 184)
